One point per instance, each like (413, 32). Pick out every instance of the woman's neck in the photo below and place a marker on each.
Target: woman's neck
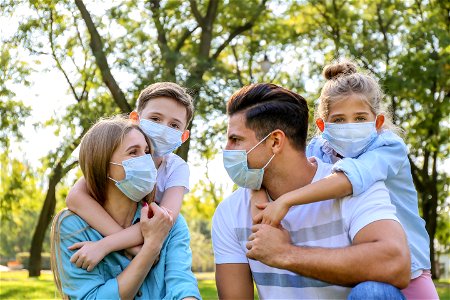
(120, 207)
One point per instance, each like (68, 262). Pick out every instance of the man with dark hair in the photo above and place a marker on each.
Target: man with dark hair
(322, 249)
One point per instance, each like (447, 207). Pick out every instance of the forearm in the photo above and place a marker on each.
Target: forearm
(123, 239)
(348, 266)
(133, 276)
(80, 202)
(333, 186)
(172, 199)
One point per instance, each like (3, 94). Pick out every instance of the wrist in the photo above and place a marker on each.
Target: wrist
(287, 257)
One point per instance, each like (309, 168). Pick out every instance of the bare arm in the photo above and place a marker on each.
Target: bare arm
(234, 281)
(379, 253)
(79, 201)
(333, 186)
(173, 198)
(154, 230)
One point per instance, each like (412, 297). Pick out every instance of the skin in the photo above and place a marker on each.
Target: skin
(350, 109)
(379, 251)
(162, 110)
(122, 210)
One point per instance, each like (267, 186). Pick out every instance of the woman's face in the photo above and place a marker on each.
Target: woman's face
(133, 145)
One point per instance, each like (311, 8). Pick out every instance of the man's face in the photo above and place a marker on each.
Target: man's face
(242, 138)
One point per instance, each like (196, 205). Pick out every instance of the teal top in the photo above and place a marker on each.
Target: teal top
(170, 278)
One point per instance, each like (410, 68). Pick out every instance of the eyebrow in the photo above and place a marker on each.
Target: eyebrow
(131, 147)
(234, 136)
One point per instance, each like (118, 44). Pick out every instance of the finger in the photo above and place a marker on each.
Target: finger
(74, 257)
(90, 267)
(79, 262)
(76, 246)
(85, 264)
(261, 205)
(251, 237)
(248, 246)
(144, 213)
(257, 219)
(256, 227)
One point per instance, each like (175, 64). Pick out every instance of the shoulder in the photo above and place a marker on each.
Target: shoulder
(68, 222)
(234, 206)
(174, 161)
(388, 138)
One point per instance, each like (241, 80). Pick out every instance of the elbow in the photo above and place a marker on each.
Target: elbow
(399, 266)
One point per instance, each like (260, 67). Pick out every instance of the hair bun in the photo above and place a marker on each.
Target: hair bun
(341, 68)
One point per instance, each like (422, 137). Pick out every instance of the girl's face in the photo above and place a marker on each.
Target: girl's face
(133, 145)
(350, 109)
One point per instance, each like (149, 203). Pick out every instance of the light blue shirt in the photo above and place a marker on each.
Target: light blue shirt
(170, 278)
(385, 159)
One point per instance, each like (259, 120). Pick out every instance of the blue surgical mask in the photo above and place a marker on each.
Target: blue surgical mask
(140, 177)
(235, 162)
(350, 139)
(164, 139)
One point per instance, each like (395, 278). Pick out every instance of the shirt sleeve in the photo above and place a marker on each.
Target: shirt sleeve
(372, 205)
(226, 246)
(317, 148)
(78, 283)
(180, 281)
(383, 159)
(177, 173)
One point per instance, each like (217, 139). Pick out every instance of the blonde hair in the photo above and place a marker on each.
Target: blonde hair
(97, 148)
(344, 80)
(169, 90)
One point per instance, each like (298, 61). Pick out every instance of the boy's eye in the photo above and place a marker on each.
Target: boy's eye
(154, 119)
(175, 125)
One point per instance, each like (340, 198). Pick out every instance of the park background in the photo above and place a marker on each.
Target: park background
(64, 64)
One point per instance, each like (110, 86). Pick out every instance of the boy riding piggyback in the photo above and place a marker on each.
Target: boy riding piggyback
(164, 111)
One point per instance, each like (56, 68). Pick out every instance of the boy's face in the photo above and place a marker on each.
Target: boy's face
(165, 111)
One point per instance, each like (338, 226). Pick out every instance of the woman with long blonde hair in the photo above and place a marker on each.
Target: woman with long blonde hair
(115, 158)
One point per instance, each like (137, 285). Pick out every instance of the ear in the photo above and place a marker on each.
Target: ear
(277, 140)
(320, 124)
(185, 136)
(134, 117)
(379, 122)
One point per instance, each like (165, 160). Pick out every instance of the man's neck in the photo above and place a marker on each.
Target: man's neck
(290, 172)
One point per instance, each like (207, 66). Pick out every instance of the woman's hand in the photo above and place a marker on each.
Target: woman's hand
(155, 229)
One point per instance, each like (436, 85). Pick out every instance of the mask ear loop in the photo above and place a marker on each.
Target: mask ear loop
(117, 164)
(269, 161)
(259, 143)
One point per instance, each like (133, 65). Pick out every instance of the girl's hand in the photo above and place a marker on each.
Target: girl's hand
(272, 214)
(89, 255)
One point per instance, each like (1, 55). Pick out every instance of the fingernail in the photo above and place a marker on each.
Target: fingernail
(145, 204)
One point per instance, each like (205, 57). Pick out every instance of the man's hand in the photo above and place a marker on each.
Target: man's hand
(267, 243)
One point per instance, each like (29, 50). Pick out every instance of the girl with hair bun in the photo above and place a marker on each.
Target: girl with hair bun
(358, 137)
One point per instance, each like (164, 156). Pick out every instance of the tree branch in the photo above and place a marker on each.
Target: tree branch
(239, 30)
(187, 33)
(196, 13)
(100, 57)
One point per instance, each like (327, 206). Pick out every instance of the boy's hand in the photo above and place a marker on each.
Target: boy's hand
(272, 214)
(89, 255)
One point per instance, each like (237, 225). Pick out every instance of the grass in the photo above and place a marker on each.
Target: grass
(17, 285)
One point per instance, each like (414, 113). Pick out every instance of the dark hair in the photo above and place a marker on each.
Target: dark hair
(269, 107)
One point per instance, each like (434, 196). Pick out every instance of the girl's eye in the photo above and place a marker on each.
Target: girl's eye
(361, 119)
(337, 120)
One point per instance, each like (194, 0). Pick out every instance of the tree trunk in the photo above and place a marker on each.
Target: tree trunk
(34, 268)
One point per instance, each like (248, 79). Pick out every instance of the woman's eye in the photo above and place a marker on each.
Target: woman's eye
(361, 119)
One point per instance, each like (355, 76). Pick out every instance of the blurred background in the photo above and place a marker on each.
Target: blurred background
(64, 64)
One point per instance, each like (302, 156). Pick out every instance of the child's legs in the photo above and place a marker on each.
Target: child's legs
(421, 287)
